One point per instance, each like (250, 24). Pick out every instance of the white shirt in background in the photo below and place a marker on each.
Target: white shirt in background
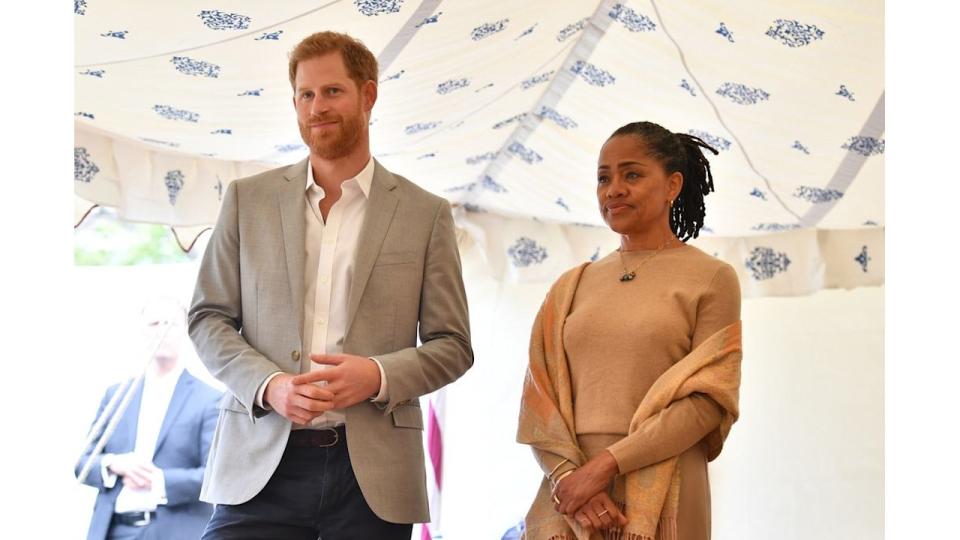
(157, 391)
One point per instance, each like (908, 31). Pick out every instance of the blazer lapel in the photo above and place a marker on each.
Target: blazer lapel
(177, 400)
(291, 202)
(380, 210)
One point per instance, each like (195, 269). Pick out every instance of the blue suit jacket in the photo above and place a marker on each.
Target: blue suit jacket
(181, 453)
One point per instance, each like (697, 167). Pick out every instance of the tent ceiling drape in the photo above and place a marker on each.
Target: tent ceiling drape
(502, 107)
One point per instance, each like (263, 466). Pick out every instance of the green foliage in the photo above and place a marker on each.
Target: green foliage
(102, 239)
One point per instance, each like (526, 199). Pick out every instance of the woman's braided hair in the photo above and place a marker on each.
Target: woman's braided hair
(679, 152)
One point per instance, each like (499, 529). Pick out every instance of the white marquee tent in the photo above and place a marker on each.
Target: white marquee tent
(501, 107)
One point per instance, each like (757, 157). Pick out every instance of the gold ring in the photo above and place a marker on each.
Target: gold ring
(602, 513)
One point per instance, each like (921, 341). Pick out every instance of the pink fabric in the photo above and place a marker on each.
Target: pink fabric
(435, 446)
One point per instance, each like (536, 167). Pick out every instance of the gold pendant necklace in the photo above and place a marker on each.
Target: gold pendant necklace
(630, 275)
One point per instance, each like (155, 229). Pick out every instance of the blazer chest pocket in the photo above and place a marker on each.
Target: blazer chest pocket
(396, 257)
(408, 416)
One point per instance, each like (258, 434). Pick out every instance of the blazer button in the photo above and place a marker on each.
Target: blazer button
(295, 355)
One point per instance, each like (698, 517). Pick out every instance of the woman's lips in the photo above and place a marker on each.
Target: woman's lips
(618, 208)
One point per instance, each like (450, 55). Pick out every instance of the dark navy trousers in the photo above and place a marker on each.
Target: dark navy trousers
(312, 495)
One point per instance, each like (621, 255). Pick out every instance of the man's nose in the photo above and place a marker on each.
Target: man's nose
(319, 106)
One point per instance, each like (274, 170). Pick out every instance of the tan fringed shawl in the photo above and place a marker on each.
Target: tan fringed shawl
(651, 495)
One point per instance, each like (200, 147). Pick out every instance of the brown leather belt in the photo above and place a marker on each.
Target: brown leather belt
(317, 438)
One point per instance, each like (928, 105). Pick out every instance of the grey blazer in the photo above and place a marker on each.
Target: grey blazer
(246, 321)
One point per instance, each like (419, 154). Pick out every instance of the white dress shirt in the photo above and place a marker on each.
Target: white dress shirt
(157, 391)
(330, 248)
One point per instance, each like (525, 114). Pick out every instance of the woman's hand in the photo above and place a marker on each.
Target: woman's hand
(600, 512)
(578, 487)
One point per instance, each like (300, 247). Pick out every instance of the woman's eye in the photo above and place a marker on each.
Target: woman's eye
(601, 179)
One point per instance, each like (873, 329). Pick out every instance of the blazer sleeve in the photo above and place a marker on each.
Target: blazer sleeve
(445, 352)
(216, 315)
(183, 484)
(686, 421)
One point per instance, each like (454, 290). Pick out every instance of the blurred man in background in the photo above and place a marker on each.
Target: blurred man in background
(151, 469)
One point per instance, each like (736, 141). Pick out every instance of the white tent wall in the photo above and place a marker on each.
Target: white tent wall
(805, 460)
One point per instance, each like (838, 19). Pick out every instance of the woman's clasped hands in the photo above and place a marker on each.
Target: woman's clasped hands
(581, 494)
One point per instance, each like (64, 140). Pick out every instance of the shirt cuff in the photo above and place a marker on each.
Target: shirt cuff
(160, 487)
(109, 479)
(263, 388)
(381, 396)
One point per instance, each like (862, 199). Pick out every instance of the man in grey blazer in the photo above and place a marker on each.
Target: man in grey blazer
(314, 288)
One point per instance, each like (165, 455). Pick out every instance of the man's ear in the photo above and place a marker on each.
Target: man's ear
(368, 93)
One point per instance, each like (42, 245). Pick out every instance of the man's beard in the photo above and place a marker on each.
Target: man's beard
(334, 145)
